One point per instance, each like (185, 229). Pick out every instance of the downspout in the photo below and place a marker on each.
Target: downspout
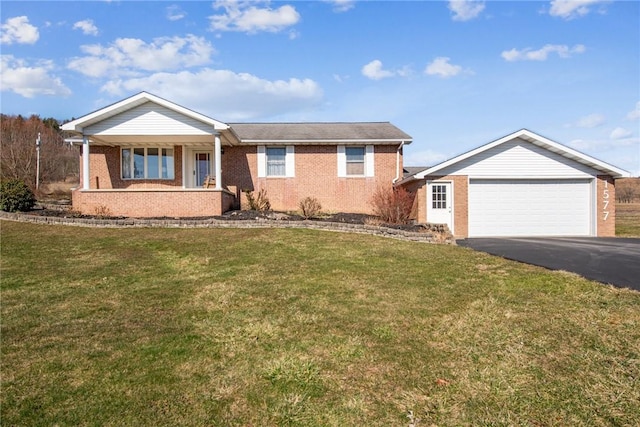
(398, 172)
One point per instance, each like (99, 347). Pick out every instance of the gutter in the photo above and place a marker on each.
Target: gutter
(398, 172)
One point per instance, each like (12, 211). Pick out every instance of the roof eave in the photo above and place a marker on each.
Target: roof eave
(79, 124)
(537, 140)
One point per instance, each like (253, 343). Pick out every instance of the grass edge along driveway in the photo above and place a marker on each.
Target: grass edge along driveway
(301, 327)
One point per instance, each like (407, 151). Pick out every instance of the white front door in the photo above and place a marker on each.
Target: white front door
(440, 203)
(202, 167)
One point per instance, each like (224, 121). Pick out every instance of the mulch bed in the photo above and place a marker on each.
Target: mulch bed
(62, 210)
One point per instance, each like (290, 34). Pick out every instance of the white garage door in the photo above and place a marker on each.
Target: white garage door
(529, 207)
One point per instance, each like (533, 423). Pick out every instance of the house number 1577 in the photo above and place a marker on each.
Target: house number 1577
(605, 200)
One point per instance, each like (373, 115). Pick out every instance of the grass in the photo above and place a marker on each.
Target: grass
(628, 219)
(301, 327)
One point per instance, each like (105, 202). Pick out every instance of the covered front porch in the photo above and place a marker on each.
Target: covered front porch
(148, 157)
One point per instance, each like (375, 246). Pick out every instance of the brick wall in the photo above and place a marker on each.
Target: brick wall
(316, 175)
(460, 201)
(152, 202)
(606, 212)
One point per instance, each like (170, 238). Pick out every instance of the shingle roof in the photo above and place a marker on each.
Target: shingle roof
(318, 132)
(412, 170)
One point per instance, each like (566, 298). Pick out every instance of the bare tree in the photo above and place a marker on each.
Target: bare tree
(18, 151)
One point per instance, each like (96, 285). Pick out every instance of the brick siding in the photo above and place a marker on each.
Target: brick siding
(606, 227)
(316, 175)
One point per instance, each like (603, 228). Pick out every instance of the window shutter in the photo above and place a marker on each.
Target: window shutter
(290, 162)
(342, 162)
(262, 162)
(369, 161)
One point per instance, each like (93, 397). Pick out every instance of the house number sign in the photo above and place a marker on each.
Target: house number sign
(605, 200)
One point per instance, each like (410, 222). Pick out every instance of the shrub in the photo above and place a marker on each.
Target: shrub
(102, 211)
(392, 205)
(260, 202)
(310, 207)
(15, 195)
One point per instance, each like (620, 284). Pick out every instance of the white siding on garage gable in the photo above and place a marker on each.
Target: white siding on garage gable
(150, 119)
(518, 159)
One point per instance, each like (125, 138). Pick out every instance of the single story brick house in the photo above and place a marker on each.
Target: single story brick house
(148, 157)
(520, 185)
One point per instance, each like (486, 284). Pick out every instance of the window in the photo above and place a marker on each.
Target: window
(147, 163)
(355, 160)
(439, 196)
(276, 161)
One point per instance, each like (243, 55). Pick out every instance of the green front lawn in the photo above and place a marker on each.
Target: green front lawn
(299, 327)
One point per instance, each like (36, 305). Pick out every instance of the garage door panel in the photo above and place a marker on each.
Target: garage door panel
(529, 208)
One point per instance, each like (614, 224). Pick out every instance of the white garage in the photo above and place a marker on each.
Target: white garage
(520, 185)
(530, 207)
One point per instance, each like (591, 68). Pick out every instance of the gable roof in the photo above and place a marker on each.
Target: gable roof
(359, 132)
(134, 101)
(533, 138)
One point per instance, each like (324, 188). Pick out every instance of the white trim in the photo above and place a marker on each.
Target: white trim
(85, 163)
(325, 141)
(533, 138)
(290, 164)
(126, 104)
(217, 156)
(369, 161)
(262, 161)
(342, 161)
(183, 153)
(451, 204)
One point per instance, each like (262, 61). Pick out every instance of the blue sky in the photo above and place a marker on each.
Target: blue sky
(452, 74)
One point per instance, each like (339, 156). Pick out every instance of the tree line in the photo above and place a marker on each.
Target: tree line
(58, 160)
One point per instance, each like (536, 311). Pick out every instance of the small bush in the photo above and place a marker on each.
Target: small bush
(310, 207)
(392, 205)
(260, 202)
(15, 195)
(101, 211)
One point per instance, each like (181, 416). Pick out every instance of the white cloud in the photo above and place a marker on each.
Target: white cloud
(634, 114)
(569, 9)
(87, 26)
(224, 93)
(465, 10)
(245, 16)
(442, 68)
(175, 13)
(340, 6)
(620, 133)
(18, 30)
(374, 70)
(590, 121)
(18, 76)
(130, 56)
(542, 54)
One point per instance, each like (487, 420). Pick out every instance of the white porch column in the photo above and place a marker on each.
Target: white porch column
(184, 166)
(218, 158)
(85, 163)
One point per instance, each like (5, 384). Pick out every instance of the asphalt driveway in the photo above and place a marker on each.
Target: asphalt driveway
(607, 260)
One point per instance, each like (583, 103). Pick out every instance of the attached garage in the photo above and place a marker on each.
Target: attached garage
(520, 185)
(530, 207)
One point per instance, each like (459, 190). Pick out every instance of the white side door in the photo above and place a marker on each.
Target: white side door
(440, 203)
